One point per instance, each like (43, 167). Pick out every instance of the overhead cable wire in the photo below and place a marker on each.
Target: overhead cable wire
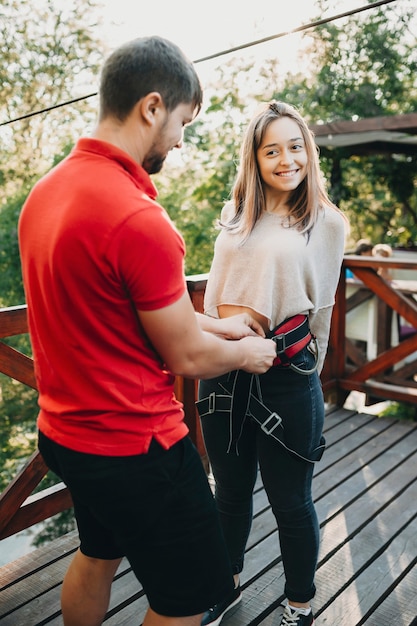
(250, 44)
(295, 30)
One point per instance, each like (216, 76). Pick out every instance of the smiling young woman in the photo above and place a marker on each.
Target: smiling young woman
(278, 256)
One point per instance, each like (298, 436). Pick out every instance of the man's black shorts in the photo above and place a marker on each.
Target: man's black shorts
(156, 509)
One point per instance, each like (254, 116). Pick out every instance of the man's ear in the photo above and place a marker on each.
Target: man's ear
(150, 107)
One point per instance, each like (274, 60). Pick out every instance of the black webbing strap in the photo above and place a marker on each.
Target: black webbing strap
(290, 337)
(249, 405)
(290, 332)
(239, 406)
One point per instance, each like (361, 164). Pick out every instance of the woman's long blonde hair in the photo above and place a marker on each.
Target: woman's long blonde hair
(248, 195)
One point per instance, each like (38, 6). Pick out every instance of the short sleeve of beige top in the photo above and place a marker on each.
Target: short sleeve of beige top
(280, 272)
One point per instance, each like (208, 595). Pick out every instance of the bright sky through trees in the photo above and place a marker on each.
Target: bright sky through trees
(204, 28)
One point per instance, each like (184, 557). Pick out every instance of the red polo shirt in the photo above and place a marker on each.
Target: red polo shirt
(96, 247)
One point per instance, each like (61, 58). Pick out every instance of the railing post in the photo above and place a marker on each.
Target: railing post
(196, 288)
(334, 364)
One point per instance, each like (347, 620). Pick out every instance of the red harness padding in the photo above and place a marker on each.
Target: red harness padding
(291, 336)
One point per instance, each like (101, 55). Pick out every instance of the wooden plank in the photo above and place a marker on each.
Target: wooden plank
(20, 488)
(345, 438)
(342, 516)
(132, 611)
(362, 531)
(390, 293)
(366, 500)
(376, 557)
(355, 354)
(336, 428)
(270, 547)
(358, 297)
(274, 619)
(384, 361)
(372, 439)
(128, 604)
(384, 391)
(400, 604)
(334, 364)
(39, 595)
(406, 122)
(37, 508)
(376, 437)
(265, 557)
(259, 599)
(13, 321)
(272, 594)
(13, 572)
(17, 365)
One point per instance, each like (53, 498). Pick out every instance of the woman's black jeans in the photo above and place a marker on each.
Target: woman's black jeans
(287, 479)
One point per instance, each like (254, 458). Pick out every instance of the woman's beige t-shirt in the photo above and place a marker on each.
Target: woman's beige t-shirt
(280, 272)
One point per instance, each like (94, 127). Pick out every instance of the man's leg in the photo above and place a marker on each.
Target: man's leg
(86, 590)
(86, 594)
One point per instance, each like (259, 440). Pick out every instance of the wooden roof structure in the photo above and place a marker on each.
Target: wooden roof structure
(391, 134)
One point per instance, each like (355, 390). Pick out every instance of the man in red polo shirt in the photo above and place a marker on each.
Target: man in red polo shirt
(111, 324)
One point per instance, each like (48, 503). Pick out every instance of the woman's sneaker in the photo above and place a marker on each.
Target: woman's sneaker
(292, 617)
(214, 616)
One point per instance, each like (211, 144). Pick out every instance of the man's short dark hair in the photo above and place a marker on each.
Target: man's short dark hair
(144, 65)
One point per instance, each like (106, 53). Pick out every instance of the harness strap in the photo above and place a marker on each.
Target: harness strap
(239, 406)
(290, 337)
(269, 421)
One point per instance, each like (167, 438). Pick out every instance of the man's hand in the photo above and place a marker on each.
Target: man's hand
(234, 327)
(189, 344)
(260, 354)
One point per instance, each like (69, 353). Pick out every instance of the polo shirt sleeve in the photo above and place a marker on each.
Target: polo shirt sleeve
(149, 256)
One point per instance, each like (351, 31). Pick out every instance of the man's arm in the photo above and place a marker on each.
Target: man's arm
(234, 327)
(192, 352)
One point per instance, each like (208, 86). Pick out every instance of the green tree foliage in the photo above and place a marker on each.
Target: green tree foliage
(18, 404)
(48, 56)
(195, 191)
(12, 292)
(365, 66)
(18, 410)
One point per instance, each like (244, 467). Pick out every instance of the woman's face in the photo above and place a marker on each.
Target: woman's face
(282, 156)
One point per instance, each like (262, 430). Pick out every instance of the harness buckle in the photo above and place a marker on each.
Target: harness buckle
(212, 402)
(277, 419)
(280, 343)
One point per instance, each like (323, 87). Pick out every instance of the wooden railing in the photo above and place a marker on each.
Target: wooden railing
(389, 374)
(347, 368)
(19, 507)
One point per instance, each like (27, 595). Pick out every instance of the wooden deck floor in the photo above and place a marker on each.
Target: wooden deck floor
(365, 489)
